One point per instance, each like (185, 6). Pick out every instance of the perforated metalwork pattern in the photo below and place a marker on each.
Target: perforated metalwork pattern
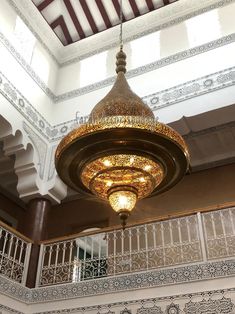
(123, 122)
(121, 101)
(138, 172)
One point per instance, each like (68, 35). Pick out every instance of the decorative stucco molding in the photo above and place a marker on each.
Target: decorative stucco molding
(4, 40)
(52, 170)
(213, 301)
(40, 147)
(25, 108)
(207, 84)
(149, 279)
(149, 67)
(191, 89)
(109, 81)
(14, 290)
(9, 309)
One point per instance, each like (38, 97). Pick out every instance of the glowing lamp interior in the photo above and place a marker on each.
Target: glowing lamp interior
(122, 201)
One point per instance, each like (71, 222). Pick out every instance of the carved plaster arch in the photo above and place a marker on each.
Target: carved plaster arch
(17, 144)
(33, 161)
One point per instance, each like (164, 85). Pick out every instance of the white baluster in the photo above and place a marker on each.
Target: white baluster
(114, 251)
(4, 245)
(78, 262)
(92, 247)
(41, 259)
(71, 251)
(146, 245)
(154, 235)
(14, 256)
(10, 246)
(122, 242)
(213, 225)
(84, 260)
(56, 261)
(163, 243)
(99, 254)
(188, 229)
(63, 252)
(201, 236)
(138, 238)
(180, 238)
(130, 247)
(26, 262)
(21, 251)
(171, 233)
(50, 254)
(232, 220)
(224, 232)
(107, 244)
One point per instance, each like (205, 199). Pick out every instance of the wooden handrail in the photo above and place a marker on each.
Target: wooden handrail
(145, 221)
(15, 232)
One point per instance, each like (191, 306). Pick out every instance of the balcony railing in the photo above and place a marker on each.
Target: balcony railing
(14, 254)
(195, 238)
(219, 229)
(191, 239)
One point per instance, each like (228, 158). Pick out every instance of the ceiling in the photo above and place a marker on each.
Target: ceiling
(73, 20)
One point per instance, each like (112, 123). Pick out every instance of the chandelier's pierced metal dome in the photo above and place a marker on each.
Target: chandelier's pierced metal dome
(121, 101)
(122, 154)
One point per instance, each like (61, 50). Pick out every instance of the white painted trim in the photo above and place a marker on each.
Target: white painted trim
(152, 22)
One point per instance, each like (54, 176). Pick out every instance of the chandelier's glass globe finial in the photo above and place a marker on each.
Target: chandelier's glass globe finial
(122, 202)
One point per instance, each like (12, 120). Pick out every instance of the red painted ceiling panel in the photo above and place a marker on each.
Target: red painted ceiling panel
(76, 15)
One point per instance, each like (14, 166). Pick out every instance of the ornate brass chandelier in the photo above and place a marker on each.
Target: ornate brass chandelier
(122, 153)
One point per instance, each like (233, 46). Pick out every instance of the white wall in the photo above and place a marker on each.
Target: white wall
(41, 62)
(161, 79)
(166, 42)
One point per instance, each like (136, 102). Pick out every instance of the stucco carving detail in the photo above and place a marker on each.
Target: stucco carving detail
(219, 306)
(149, 279)
(109, 81)
(40, 146)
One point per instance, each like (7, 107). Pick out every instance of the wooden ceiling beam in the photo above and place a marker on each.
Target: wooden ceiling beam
(117, 8)
(61, 22)
(150, 5)
(134, 8)
(166, 2)
(44, 4)
(103, 12)
(74, 19)
(89, 16)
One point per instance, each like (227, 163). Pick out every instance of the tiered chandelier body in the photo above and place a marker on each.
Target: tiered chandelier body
(122, 153)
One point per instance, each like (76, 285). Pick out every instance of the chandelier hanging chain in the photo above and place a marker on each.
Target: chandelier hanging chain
(121, 56)
(121, 22)
(122, 154)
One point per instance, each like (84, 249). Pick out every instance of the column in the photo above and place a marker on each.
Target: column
(35, 228)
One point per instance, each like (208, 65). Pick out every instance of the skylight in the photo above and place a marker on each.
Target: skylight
(93, 69)
(203, 28)
(24, 40)
(145, 50)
